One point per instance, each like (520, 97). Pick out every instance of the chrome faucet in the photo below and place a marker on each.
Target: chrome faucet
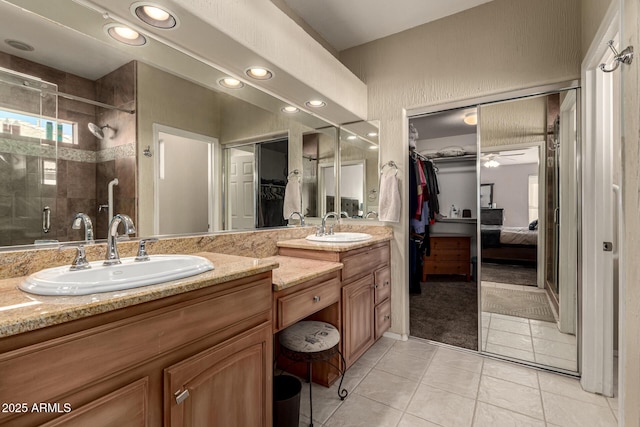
(323, 228)
(371, 213)
(299, 215)
(112, 249)
(79, 219)
(344, 214)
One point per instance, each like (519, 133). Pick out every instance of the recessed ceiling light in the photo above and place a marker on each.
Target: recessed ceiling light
(290, 109)
(352, 137)
(315, 103)
(230, 83)
(259, 73)
(373, 147)
(372, 134)
(125, 34)
(17, 44)
(154, 15)
(471, 118)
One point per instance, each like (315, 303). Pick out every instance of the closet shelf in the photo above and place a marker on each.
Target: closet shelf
(465, 158)
(458, 220)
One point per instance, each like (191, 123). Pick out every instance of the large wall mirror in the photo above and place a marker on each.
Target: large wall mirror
(498, 271)
(154, 114)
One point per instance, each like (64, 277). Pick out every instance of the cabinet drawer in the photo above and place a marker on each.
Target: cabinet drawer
(383, 318)
(438, 243)
(447, 268)
(382, 283)
(299, 305)
(448, 255)
(365, 261)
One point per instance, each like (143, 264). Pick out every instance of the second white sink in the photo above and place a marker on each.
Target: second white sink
(340, 237)
(130, 274)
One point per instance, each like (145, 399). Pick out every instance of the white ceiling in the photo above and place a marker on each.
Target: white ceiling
(348, 23)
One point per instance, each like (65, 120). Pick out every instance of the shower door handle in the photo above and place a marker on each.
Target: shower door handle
(46, 219)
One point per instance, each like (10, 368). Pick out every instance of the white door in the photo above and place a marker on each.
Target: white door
(241, 192)
(184, 183)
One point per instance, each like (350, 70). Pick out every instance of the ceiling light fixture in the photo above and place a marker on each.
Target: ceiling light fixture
(290, 109)
(373, 147)
(230, 83)
(471, 118)
(352, 137)
(17, 44)
(154, 15)
(125, 34)
(259, 73)
(315, 103)
(491, 164)
(372, 134)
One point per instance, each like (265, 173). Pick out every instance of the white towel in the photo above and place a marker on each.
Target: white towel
(390, 205)
(292, 198)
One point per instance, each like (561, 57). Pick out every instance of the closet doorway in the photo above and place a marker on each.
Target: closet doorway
(443, 298)
(513, 171)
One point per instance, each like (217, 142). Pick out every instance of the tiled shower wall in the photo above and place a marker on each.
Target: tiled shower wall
(80, 169)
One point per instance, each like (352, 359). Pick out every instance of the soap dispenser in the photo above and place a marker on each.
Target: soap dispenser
(453, 212)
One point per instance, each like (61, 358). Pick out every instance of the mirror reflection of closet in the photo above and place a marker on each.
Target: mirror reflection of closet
(529, 233)
(443, 301)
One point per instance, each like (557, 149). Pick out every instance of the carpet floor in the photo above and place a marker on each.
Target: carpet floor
(525, 304)
(446, 311)
(508, 273)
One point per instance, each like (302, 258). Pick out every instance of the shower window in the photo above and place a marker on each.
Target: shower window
(36, 126)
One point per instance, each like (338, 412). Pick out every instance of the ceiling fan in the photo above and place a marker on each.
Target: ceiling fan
(490, 160)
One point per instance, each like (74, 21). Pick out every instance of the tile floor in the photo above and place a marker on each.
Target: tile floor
(418, 384)
(528, 339)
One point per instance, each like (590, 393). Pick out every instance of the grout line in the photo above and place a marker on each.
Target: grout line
(475, 405)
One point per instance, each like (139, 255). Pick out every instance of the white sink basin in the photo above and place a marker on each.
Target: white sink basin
(340, 238)
(129, 274)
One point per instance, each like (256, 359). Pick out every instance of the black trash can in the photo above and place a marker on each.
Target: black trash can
(286, 401)
(474, 268)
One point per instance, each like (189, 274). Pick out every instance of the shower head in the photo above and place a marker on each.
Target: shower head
(98, 131)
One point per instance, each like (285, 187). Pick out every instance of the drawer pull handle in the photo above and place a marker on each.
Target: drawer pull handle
(375, 286)
(316, 298)
(181, 396)
(387, 317)
(386, 283)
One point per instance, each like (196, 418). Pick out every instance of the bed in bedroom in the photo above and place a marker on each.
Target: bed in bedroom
(506, 244)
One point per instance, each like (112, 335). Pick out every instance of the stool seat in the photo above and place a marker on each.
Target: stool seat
(310, 337)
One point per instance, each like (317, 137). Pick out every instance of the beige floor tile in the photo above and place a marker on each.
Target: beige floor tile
(359, 411)
(415, 348)
(304, 422)
(453, 380)
(409, 420)
(457, 359)
(551, 333)
(511, 326)
(555, 349)
(515, 397)
(510, 352)
(510, 372)
(441, 407)
(403, 365)
(511, 318)
(569, 387)
(569, 412)
(354, 375)
(387, 389)
(375, 353)
(569, 365)
(493, 416)
(325, 402)
(508, 339)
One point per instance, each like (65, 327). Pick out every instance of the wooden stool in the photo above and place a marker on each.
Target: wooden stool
(312, 341)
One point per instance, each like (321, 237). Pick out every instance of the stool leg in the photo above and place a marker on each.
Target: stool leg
(310, 399)
(342, 392)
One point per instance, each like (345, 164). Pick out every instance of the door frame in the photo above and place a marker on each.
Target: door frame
(215, 173)
(598, 123)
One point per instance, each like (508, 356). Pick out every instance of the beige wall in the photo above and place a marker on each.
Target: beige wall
(499, 46)
(522, 121)
(171, 101)
(631, 187)
(592, 13)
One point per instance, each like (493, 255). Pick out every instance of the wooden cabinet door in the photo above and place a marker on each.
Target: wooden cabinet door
(357, 312)
(227, 385)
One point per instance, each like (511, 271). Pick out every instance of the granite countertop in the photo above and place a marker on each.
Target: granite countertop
(22, 312)
(292, 271)
(333, 247)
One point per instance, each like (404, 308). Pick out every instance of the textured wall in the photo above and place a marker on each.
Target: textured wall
(631, 187)
(171, 101)
(592, 13)
(499, 46)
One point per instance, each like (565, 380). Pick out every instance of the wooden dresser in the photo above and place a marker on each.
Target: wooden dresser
(450, 254)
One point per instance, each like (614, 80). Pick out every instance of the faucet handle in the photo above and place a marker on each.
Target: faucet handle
(142, 249)
(80, 261)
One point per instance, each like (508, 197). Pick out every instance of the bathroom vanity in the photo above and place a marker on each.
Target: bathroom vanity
(193, 349)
